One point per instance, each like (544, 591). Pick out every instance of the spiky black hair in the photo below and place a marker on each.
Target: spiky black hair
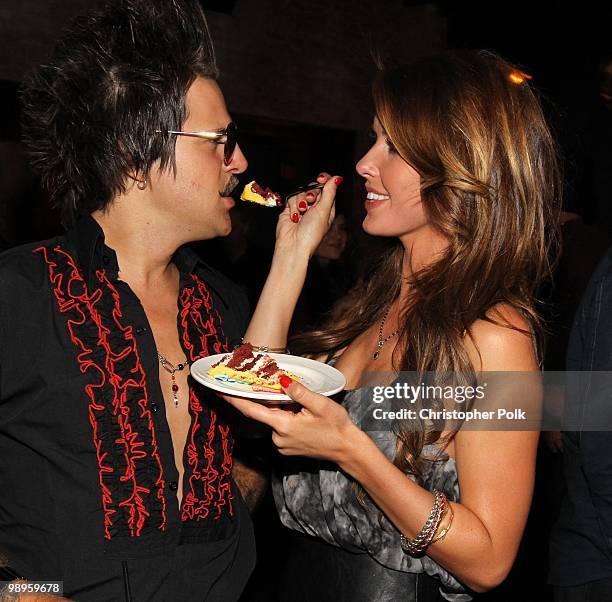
(117, 76)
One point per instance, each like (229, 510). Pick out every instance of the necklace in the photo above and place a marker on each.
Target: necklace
(171, 369)
(382, 341)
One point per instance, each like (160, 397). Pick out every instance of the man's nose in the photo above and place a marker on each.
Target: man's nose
(239, 162)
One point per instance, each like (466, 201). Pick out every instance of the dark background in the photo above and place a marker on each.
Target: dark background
(296, 77)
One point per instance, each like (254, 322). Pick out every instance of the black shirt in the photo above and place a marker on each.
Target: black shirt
(87, 473)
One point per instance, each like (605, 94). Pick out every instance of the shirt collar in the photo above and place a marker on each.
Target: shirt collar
(187, 260)
(87, 238)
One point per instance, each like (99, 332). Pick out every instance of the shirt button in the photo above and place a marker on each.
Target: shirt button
(141, 329)
(173, 485)
(154, 407)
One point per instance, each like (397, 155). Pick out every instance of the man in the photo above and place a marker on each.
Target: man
(581, 539)
(116, 470)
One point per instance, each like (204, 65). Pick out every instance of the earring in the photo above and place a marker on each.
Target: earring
(142, 184)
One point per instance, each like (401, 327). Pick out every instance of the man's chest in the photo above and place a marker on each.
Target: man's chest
(173, 370)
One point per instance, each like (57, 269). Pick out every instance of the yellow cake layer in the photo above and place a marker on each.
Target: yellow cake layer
(248, 376)
(248, 194)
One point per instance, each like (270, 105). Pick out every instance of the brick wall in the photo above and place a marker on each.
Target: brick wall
(302, 60)
(311, 58)
(28, 29)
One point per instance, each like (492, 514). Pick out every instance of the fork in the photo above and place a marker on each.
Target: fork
(305, 188)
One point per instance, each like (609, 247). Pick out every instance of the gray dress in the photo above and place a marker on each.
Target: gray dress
(317, 499)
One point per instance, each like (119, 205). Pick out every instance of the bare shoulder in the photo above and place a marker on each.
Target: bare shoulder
(505, 343)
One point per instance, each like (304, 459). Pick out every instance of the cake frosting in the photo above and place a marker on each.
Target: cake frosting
(254, 193)
(248, 367)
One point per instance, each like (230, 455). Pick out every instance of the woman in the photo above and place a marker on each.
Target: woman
(463, 173)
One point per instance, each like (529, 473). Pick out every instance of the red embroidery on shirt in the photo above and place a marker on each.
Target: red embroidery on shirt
(208, 335)
(118, 365)
(226, 467)
(210, 479)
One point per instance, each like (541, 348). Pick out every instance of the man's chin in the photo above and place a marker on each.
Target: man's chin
(226, 229)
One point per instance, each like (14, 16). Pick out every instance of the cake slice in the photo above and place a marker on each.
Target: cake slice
(246, 366)
(254, 193)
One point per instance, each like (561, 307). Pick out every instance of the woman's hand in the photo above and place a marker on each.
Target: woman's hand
(321, 428)
(307, 218)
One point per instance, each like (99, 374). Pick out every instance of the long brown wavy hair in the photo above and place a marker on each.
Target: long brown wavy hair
(473, 128)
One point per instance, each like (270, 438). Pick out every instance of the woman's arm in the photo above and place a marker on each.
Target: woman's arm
(495, 469)
(295, 245)
(496, 472)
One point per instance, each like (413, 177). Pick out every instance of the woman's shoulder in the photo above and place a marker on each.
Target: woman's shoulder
(502, 340)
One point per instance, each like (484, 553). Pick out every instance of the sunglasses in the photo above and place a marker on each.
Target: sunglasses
(227, 137)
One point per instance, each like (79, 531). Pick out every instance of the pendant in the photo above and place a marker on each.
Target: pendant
(175, 391)
(375, 355)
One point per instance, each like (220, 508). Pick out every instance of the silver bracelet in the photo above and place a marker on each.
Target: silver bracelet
(265, 348)
(425, 536)
(427, 533)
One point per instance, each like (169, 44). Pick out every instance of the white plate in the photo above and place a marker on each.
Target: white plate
(317, 376)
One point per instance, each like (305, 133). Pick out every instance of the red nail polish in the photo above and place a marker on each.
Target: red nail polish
(338, 180)
(284, 380)
(295, 218)
(303, 205)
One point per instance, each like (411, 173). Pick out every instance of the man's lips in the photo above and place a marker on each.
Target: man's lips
(228, 201)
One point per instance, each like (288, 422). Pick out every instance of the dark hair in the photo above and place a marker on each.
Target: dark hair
(471, 125)
(118, 74)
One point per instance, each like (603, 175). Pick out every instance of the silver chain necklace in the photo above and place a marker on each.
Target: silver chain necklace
(171, 369)
(382, 341)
